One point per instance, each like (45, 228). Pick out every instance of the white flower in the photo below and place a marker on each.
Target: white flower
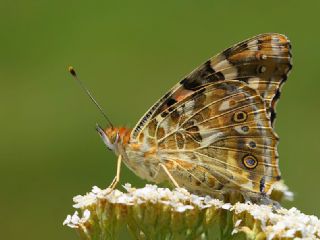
(95, 190)
(282, 223)
(226, 206)
(72, 221)
(67, 220)
(86, 216)
(183, 208)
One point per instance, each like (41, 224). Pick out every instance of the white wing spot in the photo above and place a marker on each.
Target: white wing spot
(275, 39)
(189, 106)
(253, 45)
(224, 106)
(210, 137)
(247, 185)
(228, 70)
(254, 82)
(264, 57)
(242, 129)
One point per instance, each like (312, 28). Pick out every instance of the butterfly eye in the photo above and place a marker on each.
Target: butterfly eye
(240, 116)
(250, 161)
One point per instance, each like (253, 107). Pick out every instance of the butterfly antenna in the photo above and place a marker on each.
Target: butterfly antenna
(75, 76)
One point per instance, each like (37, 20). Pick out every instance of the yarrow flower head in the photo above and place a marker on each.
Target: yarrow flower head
(159, 213)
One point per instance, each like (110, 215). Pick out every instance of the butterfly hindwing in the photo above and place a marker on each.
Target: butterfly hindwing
(214, 135)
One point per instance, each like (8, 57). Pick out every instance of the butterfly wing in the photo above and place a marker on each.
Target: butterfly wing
(218, 137)
(197, 127)
(263, 62)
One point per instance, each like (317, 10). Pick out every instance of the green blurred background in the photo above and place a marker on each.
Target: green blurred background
(129, 53)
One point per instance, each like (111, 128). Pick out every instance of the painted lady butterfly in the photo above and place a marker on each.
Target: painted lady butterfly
(213, 131)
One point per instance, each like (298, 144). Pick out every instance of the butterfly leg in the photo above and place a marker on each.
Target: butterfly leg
(169, 175)
(117, 177)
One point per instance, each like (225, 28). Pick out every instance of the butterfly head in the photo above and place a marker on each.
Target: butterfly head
(114, 137)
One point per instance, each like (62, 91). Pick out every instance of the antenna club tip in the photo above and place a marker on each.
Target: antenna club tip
(72, 71)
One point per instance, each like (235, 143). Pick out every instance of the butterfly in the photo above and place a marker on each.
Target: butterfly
(213, 131)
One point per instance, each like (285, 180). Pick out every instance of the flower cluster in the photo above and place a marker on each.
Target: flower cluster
(159, 213)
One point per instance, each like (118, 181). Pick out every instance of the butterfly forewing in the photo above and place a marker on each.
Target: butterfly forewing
(263, 62)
